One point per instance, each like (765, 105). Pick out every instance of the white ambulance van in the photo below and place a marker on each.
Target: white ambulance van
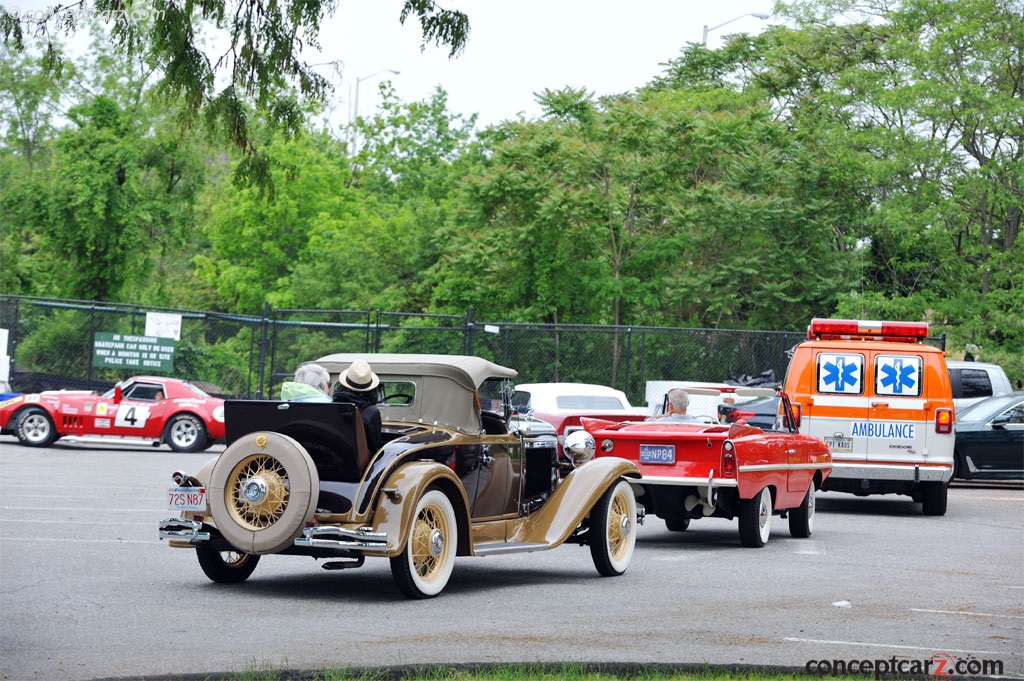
(881, 399)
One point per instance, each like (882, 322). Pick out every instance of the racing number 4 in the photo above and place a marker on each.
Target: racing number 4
(131, 416)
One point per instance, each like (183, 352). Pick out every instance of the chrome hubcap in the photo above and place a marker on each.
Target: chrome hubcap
(436, 543)
(255, 490)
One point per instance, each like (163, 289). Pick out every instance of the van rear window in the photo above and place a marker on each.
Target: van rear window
(898, 375)
(840, 373)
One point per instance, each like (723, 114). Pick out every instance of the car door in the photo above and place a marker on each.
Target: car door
(999, 445)
(896, 427)
(139, 413)
(838, 400)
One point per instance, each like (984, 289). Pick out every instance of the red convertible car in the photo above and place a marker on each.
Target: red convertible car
(152, 408)
(697, 469)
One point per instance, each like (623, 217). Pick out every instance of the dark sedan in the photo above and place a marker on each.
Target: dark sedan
(990, 439)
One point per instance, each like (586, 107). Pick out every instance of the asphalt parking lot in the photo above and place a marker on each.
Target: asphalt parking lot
(88, 591)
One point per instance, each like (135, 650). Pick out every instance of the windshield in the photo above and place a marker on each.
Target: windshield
(491, 394)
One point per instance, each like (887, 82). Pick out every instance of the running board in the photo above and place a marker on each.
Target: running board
(513, 547)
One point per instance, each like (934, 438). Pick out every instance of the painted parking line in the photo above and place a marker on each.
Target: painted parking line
(967, 613)
(895, 647)
(83, 541)
(88, 509)
(68, 522)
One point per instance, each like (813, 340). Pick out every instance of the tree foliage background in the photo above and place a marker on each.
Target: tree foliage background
(862, 158)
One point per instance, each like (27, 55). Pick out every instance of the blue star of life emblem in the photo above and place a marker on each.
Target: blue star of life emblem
(899, 377)
(841, 374)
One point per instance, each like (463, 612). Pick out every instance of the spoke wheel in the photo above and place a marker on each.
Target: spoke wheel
(801, 519)
(35, 428)
(186, 433)
(613, 529)
(262, 491)
(756, 519)
(422, 570)
(226, 567)
(258, 489)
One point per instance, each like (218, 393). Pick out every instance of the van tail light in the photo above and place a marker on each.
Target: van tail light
(797, 412)
(728, 460)
(943, 421)
(860, 329)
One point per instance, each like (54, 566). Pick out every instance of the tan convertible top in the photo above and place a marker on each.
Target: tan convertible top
(447, 384)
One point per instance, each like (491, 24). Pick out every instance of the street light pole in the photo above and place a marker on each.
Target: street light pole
(760, 15)
(355, 105)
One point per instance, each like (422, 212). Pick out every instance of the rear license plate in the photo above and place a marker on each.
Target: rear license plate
(657, 453)
(186, 499)
(839, 444)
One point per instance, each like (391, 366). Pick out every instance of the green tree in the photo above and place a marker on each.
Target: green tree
(114, 195)
(112, 190)
(262, 66)
(256, 245)
(931, 91)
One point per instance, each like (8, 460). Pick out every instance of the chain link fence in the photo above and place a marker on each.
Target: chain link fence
(52, 344)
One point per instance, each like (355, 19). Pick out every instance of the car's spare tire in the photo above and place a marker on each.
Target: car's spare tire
(263, 490)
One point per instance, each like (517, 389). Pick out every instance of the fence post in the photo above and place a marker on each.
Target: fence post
(469, 331)
(629, 357)
(92, 340)
(264, 323)
(376, 333)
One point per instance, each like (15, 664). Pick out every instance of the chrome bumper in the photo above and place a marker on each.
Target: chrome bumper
(330, 537)
(180, 529)
(897, 472)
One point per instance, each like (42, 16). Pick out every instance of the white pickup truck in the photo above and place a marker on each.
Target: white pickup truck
(974, 381)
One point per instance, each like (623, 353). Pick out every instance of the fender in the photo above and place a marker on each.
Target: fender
(573, 500)
(401, 492)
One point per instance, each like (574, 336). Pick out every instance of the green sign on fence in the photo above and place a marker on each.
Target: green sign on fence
(133, 352)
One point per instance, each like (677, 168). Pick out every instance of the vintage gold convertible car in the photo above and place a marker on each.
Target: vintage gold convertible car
(457, 474)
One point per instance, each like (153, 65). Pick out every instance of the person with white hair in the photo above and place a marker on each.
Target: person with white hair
(675, 410)
(312, 384)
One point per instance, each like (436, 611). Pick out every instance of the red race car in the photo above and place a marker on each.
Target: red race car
(697, 469)
(152, 408)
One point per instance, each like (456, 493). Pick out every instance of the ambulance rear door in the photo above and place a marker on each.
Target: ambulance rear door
(839, 400)
(896, 427)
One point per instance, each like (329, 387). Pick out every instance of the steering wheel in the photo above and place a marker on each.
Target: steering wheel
(704, 418)
(405, 397)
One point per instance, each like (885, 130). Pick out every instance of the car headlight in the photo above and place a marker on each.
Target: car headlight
(580, 447)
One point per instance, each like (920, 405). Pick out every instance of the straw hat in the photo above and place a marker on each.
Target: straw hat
(359, 377)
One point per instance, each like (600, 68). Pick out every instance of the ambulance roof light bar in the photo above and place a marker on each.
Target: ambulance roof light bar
(860, 329)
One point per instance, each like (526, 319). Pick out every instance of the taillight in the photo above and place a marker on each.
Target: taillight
(797, 414)
(943, 421)
(728, 460)
(179, 477)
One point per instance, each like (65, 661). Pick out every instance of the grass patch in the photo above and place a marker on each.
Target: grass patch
(527, 672)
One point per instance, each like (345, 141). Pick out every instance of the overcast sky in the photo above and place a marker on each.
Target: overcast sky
(519, 47)
(516, 48)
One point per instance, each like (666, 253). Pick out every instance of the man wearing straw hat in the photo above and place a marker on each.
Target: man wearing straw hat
(359, 386)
